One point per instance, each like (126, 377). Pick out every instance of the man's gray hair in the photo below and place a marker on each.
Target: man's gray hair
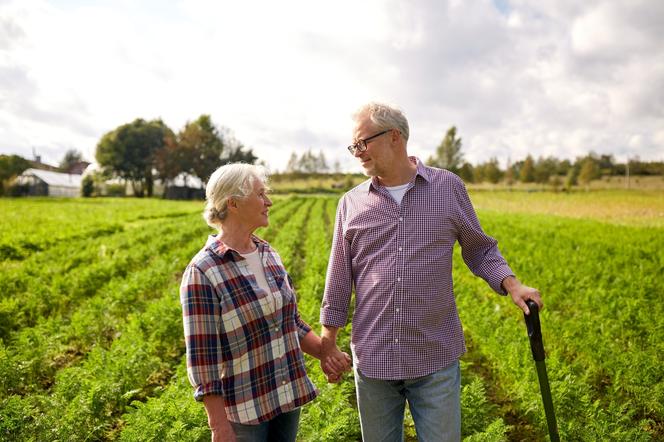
(384, 116)
(230, 180)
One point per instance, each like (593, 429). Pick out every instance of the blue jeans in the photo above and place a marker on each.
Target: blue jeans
(282, 428)
(434, 401)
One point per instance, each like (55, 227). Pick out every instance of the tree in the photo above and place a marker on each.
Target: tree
(203, 142)
(510, 174)
(72, 156)
(571, 179)
(589, 171)
(292, 165)
(128, 151)
(448, 154)
(492, 172)
(172, 159)
(308, 162)
(527, 172)
(466, 172)
(11, 166)
(237, 154)
(544, 169)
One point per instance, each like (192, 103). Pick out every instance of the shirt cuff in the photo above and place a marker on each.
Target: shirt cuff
(498, 276)
(302, 329)
(214, 387)
(333, 318)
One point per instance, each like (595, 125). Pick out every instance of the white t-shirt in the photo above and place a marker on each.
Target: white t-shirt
(397, 192)
(256, 266)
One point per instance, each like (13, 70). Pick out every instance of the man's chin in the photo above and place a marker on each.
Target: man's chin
(369, 171)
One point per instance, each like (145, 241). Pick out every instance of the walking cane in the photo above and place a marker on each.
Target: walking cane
(537, 347)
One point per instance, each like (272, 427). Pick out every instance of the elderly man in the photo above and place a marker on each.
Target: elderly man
(393, 242)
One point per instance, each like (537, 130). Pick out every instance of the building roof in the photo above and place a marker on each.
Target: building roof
(55, 178)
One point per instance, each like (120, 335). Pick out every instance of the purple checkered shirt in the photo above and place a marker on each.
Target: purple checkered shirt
(399, 259)
(242, 342)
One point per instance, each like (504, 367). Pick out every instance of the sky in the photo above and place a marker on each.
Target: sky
(516, 77)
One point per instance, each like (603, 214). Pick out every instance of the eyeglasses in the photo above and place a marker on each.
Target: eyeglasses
(361, 144)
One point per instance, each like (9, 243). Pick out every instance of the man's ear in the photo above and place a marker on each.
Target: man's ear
(395, 135)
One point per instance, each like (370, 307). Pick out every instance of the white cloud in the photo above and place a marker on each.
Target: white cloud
(546, 78)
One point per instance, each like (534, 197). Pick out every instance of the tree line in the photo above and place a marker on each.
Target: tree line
(142, 151)
(543, 170)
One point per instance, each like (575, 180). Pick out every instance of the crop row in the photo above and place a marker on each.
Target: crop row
(101, 355)
(172, 411)
(304, 244)
(117, 347)
(601, 347)
(29, 226)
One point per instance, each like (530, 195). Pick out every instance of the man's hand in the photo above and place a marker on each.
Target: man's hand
(334, 363)
(521, 293)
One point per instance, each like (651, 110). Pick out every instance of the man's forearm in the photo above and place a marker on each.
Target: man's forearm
(510, 283)
(328, 338)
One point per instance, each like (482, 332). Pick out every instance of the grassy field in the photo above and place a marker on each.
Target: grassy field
(91, 341)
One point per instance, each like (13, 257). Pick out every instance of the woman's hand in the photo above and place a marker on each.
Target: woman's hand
(334, 363)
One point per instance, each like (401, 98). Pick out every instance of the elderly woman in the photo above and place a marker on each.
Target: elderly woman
(243, 333)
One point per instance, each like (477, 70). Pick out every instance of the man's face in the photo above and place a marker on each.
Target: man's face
(378, 158)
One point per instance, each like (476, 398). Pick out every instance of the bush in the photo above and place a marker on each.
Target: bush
(87, 186)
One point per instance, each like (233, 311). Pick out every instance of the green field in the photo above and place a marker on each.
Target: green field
(91, 344)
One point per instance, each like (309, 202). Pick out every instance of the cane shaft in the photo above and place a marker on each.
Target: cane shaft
(548, 402)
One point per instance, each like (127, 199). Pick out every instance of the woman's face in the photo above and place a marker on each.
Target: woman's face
(253, 210)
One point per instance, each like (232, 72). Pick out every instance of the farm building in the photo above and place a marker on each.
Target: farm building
(182, 187)
(37, 182)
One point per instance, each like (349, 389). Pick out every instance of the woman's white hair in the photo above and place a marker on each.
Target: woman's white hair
(230, 180)
(384, 116)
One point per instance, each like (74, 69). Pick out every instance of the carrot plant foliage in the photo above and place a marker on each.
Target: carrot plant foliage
(91, 345)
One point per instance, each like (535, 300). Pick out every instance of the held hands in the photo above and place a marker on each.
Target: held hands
(334, 363)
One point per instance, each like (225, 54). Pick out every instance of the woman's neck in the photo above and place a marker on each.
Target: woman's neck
(237, 238)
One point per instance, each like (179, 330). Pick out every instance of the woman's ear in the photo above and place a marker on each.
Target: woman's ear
(231, 203)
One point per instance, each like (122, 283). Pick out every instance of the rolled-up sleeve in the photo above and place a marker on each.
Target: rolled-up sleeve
(201, 317)
(339, 281)
(479, 250)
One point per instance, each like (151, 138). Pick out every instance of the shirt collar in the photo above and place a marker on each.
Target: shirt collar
(216, 246)
(421, 171)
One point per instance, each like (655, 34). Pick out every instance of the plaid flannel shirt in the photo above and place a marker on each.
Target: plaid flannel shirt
(242, 342)
(399, 259)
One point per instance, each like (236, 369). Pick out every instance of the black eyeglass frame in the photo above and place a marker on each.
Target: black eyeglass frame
(361, 144)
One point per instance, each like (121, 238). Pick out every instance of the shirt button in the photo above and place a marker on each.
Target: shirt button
(400, 248)
(399, 279)
(397, 310)
(283, 382)
(396, 340)
(276, 329)
(400, 218)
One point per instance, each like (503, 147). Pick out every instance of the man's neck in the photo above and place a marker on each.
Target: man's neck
(401, 174)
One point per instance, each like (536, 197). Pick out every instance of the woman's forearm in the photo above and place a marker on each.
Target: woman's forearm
(219, 424)
(311, 344)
